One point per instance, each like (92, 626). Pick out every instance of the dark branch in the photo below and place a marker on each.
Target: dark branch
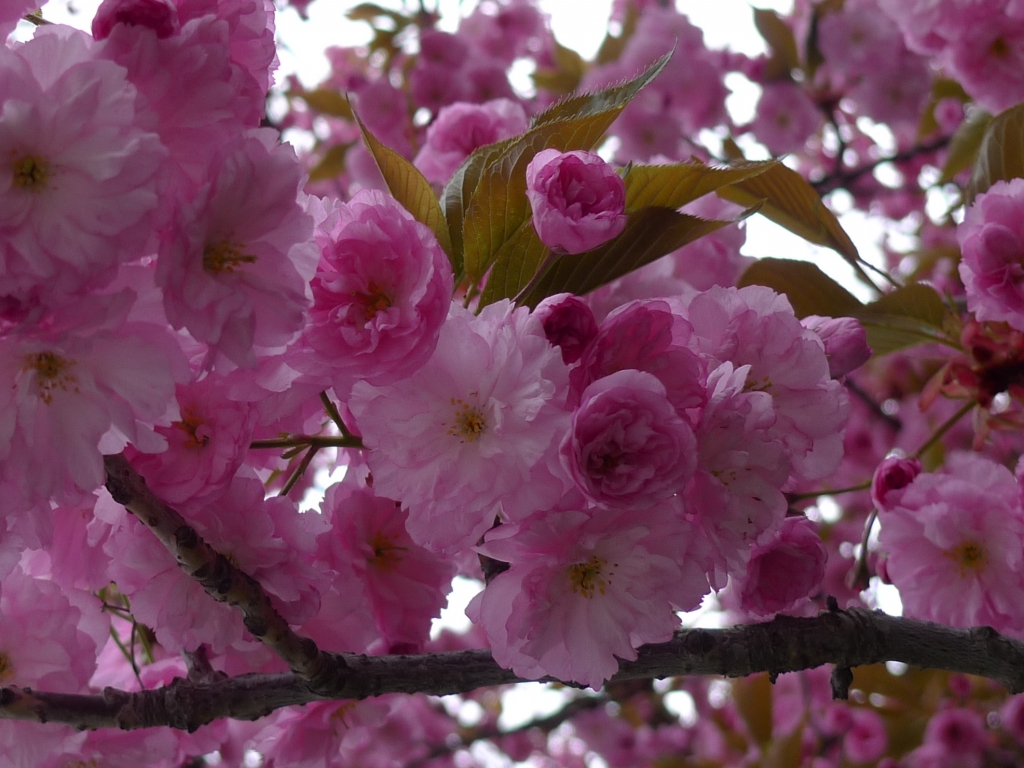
(838, 179)
(221, 580)
(845, 639)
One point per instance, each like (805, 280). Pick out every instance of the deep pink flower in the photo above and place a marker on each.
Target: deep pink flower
(955, 545)
(586, 587)
(992, 241)
(961, 734)
(890, 478)
(786, 117)
(235, 266)
(407, 586)
(627, 446)
(845, 341)
(461, 128)
(578, 200)
(161, 16)
(79, 182)
(477, 425)
(867, 740)
(380, 294)
(569, 324)
(784, 572)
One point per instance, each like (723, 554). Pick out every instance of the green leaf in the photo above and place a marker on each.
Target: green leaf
(673, 186)
(1001, 156)
(649, 235)
(791, 202)
(612, 47)
(498, 206)
(964, 146)
(326, 102)
(408, 186)
(912, 315)
(331, 165)
(809, 290)
(781, 42)
(565, 76)
(753, 698)
(942, 88)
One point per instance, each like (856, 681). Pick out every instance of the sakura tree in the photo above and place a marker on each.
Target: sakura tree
(509, 336)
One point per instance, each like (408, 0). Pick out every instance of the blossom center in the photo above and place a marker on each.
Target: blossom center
(373, 301)
(52, 372)
(189, 425)
(469, 422)
(31, 172)
(591, 576)
(999, 48)
(386, 554)
(969, 556)
(224, 256)
(6, 668)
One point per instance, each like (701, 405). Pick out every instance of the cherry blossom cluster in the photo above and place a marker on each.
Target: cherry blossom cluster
(180, 286)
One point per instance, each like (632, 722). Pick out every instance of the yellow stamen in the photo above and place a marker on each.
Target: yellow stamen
(6, 668)
(591, 576)
(386, 554)
(375, 300)
(189, 424)
(31, 172)
(224, 256)
(469, 422)
(969, 557)
(52, 372)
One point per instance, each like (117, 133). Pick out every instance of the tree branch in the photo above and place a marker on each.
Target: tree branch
(839, 178)
(845, 639)
(221, 580)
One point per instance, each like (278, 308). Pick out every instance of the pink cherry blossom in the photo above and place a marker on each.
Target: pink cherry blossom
(627, 446)
(784, 572)
(205, 447)
(992, 240)
(585, 587)
(786, 116)
(161, 16)
(954, 545)
(475, 426)
(845, 342)
(11, 12)
(578, 200)
(235, 267)
(380, 294)
(755, 326)
(80, 182)
(461, 128)
(891, 477)
(568, 323)
(406, 585)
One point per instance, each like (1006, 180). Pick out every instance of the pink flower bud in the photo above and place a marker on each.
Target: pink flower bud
(159, 15)
(846, 343)
(892, 475)
(568, 323)
(578, 200)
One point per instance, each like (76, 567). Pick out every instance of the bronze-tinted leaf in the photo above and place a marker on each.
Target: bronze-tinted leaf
(942, 88)
(753, 698)
(1001, 156)
(784, 56)
(564, 77)
(410, 188)
(498, 206)
(809, 290)
(673, 186)
(964, 146)
(649, 234)
(912, 315)
(326, 102)
(791, 202)
(612, 46)
(331, 165)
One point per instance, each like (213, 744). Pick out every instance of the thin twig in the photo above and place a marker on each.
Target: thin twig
(838, 178)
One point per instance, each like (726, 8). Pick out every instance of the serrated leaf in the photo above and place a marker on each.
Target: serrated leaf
(791, 202)
(912, 315)
(673, 186)
(612, 99)
(331, 165)
(326, 102)
(649, 235)
(409, 187)
(753, 698)
(498, 206)
(809, 290)
(781, 42)
(1001, 155)
(964, 146)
